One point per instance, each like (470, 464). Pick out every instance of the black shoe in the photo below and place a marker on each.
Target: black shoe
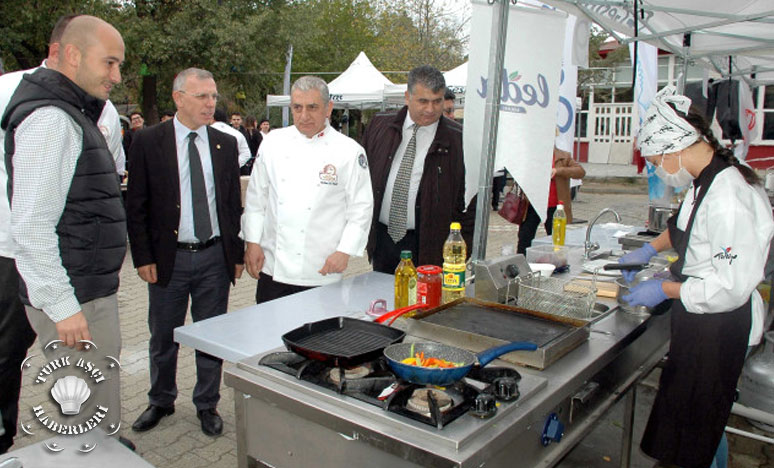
(212, 424)
(128, 443)
(151, 417)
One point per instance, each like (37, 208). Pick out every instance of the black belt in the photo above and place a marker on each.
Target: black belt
(196, 246)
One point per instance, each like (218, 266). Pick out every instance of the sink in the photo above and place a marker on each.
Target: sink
(599, 310)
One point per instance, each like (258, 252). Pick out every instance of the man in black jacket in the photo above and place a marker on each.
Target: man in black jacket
(183, 207)
(417, 175)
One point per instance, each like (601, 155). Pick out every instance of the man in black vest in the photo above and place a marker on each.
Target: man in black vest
(67, 217)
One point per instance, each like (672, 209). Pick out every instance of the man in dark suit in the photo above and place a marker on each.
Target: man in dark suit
(183, 206)
(417, 175)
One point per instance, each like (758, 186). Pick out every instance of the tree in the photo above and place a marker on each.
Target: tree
(418, 32)
(26, 27)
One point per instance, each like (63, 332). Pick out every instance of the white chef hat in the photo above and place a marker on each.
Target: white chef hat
(662, 130)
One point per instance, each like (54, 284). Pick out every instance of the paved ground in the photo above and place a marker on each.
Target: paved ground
(179, 442)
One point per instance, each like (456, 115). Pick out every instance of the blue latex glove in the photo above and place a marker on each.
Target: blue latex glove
(641, 255)
(649, 293)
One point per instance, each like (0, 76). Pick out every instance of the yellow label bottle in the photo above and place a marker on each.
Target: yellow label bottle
(559, 225)
(405, 281)
(454, 253)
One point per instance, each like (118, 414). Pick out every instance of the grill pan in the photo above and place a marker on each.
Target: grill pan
(341, 341)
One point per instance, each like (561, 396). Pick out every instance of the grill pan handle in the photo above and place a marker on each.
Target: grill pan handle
(398, 312)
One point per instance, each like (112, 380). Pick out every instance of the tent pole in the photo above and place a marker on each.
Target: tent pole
(498, 33)
(684, 75)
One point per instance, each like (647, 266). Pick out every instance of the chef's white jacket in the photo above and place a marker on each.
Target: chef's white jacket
(727, 249)
(307, 198)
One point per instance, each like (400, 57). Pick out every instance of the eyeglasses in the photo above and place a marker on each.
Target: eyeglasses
(203, 96)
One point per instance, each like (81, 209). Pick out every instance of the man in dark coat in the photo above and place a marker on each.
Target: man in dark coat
(183, 208)
(417, 175)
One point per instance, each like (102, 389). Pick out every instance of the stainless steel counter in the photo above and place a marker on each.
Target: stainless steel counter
(317, 426)
(253, 330)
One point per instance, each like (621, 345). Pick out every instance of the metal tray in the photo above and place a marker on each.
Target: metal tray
(478, 325)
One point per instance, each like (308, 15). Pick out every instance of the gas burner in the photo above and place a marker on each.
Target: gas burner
(484, 406)
(419, 401)
(352, 373)
(506, 388)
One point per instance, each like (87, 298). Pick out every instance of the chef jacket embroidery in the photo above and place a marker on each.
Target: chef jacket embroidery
(328, 175)
(725, 254)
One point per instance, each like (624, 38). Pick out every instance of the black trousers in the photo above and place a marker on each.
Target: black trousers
(386, 254)
(203, 277)
(16, 336)
(268, 289)
(530, 225)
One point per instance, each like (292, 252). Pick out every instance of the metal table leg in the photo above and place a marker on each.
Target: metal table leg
(628, 427)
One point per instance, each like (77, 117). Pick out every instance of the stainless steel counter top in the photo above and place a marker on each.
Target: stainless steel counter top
(259, 328)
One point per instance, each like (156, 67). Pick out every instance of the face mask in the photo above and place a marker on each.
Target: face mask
(681, 178)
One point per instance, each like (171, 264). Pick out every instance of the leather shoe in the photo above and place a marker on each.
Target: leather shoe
(212, 424)
(151, 417)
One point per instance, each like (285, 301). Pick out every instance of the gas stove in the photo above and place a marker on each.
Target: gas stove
(291, 412)
(481, 393)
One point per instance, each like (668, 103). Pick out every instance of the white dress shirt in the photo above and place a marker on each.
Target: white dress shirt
(308, 198)
(727, 249)
(185, 231)
(425, 136)
(244, 148)
(109, 124)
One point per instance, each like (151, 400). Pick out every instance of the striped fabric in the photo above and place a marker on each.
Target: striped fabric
(398, 208)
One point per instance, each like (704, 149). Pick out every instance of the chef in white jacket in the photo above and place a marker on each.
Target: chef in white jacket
(722, 235)
(309, 203)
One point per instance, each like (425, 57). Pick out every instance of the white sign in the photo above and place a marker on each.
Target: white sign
(528, 98)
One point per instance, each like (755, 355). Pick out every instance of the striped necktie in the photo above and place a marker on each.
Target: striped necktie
(399, 202)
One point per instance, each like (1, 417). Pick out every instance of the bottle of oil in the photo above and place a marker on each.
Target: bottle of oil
(405, 281)
(454, 253)
(559, 225)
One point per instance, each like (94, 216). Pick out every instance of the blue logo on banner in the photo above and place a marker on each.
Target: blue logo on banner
(516, 97)
(564, 102)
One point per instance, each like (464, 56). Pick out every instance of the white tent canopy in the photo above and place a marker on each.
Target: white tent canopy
(361, 86)
(742, 31)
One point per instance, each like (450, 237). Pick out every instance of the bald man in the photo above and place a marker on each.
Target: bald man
(67, 218)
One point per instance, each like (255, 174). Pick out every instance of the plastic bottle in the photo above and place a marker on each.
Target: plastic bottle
(454, 253)
(559, 225)
(405, 281)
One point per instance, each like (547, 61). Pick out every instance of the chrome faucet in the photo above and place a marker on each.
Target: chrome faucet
(588, 246)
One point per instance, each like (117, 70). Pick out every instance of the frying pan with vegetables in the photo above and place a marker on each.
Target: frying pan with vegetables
(462, 359)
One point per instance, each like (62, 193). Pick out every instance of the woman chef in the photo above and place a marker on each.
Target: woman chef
(721, 234)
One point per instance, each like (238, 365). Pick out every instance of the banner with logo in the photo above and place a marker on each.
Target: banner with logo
(746, 121)
(645, 88)
(528, 98)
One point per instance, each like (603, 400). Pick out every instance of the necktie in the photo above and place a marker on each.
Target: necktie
(201, 209)
(399, 205)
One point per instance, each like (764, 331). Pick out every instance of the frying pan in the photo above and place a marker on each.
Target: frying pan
(442, 376)
(341, 341)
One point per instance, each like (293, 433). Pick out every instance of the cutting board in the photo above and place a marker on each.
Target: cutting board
(604, 288)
